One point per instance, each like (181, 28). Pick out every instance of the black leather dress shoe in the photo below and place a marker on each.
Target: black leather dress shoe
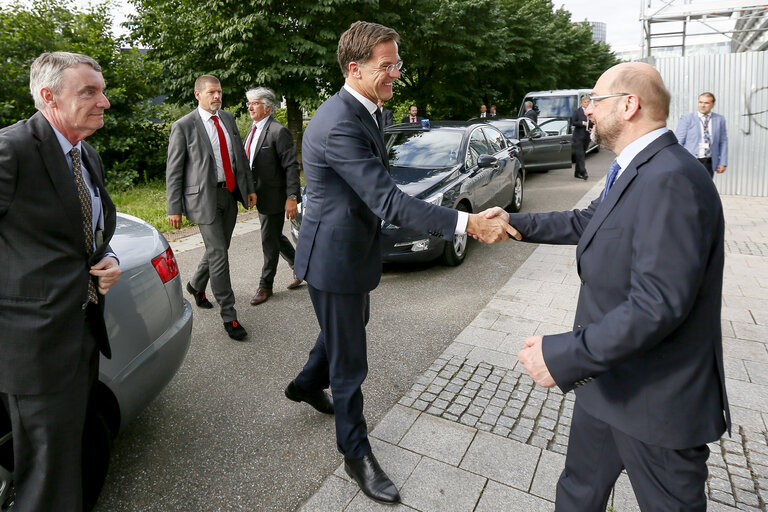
(373, 481)
(235, 330)
(317, 399)
(200, 299)
(581, 176)
(295, 283)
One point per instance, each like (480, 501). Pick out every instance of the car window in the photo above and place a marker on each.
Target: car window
(477, 146)
(522, 131)
(494, 138)
(423, 148)
(555, 126)
(529, 125)
(554, 106)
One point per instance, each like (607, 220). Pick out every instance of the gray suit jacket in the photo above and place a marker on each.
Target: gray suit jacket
(190, 171)
(645, 354)
(275, 169)
(44, 271)
(689, 134)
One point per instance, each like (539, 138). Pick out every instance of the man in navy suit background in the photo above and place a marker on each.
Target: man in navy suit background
(581, 127)
(413, 115)
(645, 354)
(703, 134)
(349, 191)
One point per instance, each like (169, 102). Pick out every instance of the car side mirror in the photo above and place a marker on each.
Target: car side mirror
(486, 161)
(537, 133)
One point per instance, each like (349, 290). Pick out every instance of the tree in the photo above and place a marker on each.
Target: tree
(130, 140)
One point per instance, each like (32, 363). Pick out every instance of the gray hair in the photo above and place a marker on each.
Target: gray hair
(264, 94)
(47, 70)
(528, 104)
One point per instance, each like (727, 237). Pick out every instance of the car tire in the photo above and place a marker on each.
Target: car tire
(517, 195)
(97, 447)
(455, 251)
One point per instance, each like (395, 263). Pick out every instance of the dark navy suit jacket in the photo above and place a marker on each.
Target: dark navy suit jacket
(349, 191)
(645, 354)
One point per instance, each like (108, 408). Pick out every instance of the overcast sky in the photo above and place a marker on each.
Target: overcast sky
(622, 18)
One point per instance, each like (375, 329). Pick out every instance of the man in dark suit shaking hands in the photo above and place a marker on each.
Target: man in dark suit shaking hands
(206, 174)
(272, 158)
(56, 221)
(645, 354)
(349, 192)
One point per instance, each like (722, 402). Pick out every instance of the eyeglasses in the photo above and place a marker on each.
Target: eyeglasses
(389, 69)
(594, 99)
(249, 104)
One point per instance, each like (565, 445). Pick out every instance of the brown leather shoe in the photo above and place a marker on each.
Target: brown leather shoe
(295, 283)
(261, 296)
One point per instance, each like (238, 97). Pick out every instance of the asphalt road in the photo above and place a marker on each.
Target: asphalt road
(222, 436)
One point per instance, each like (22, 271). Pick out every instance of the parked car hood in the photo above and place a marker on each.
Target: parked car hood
(419, 181)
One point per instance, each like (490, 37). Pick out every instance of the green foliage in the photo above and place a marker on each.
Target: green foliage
(131, 142)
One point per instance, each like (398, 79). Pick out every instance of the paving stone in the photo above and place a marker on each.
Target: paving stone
(739, 482)
(746, 497)
(548, 471)
(469, 420)
(502, 460)
(734, 459)
(486, 427)
(547, 423)
(434, 389)
(475, 410)
(407, 402)
(758, 372)
(472, 385)
(438, 438)
(456, 409)
(467, 392)
(559, 448)
(462, 400)
(623, 496)
(481, 402)
(498, 497)
(362, 503)
(420, 405)
(522, 432)
(334, 494)
(527, 423)
(506, 421)
(453, 387)
(722, 497)
(720, 485)
(395, 424)
(438, 487)
(738, 471)
(539, 442)
(502, 395)
(546, 434)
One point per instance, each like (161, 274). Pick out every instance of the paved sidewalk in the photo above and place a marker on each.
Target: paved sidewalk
(475, 434)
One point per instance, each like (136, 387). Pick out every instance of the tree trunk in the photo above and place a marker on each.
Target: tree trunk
(295, 124)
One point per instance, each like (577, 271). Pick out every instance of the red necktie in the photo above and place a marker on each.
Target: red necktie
(248, 142)
(228, 176)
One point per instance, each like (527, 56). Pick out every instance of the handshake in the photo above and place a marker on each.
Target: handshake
(491, 226)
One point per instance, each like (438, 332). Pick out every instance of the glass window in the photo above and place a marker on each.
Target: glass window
(494, 138)
(423, 148)
(477, 146)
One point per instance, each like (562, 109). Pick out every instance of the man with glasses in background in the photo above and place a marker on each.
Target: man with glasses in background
(645, 355)
(581, 126)
(272, 157)
(349, 193)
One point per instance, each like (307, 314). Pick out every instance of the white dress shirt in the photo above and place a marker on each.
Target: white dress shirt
(461, 223)
(213, 135)
(635, 147)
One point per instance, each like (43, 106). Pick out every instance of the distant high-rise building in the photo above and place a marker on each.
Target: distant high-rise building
(599, 31)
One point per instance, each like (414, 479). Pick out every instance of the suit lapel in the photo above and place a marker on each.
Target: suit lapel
(367, 120)
(262, 136)
(201, 132)
(57, 168)
(618, 189)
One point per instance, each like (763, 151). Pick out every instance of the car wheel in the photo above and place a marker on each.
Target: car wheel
(517, 195)
(6, 463)
(455, 252)
(97, 447)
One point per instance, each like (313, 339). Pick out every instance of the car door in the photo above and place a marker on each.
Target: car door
(476, 186)
(503, 177)
(556, 132)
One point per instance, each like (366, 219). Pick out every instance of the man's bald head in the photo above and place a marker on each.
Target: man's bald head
(643, 81)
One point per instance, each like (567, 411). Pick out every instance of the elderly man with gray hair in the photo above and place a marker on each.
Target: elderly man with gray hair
(272, 158)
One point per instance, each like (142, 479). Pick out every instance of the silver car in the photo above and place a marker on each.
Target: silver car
(150, 327)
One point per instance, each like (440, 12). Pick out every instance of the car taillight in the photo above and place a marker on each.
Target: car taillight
(166, 265)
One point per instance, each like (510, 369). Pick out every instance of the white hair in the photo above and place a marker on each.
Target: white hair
(46, 72)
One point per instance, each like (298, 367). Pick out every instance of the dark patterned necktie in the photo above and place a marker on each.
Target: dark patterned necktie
(613, 171)
(379, 120)
(86, 209)
(705, 124)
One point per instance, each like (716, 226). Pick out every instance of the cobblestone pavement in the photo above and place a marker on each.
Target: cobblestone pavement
(475, 434)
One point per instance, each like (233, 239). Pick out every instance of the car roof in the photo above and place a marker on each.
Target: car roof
(456, 125)
(558, 92)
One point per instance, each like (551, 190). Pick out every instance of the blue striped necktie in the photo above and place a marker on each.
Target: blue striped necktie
(613, 171)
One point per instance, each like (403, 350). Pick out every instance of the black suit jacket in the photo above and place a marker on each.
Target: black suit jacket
(577, 122)
(44, 271)
(275, 169)
(645, 354)
(407, 119)
(532, 115)
(349, 191)
(388, 117)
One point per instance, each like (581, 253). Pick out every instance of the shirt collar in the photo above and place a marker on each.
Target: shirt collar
(66, 146)
(260, 124)
(635, 147)
(204, 114)
(370, 106)
(701, 116)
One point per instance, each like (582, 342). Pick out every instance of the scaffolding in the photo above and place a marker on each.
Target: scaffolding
(746, 24)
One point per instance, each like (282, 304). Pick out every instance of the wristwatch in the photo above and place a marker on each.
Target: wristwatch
(292, 197)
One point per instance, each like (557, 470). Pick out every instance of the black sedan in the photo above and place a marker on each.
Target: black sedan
(542, 147)
(466, 166)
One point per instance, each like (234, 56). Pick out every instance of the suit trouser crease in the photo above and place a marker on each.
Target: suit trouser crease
(214, 265)
(579, 153)
(339, 359)
(47, 439)
(273, 245)
(663, 479)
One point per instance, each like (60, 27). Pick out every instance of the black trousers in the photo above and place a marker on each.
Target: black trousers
(663, 479)
(579, 155)
(273, 245)
(47, 439)
(339, 359)
(707, 162)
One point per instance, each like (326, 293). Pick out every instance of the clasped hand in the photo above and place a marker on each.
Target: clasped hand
(491, 226)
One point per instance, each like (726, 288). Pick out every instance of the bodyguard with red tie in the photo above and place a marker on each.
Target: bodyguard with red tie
(206, 174)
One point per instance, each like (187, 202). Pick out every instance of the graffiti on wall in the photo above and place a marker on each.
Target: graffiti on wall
(757, 109)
